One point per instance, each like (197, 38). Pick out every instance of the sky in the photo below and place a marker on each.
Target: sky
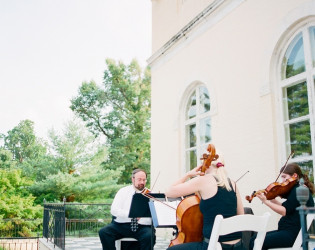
(49, 47)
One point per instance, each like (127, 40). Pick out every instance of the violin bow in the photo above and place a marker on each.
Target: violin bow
(153, 198)
(155, 180)
(285, 165)
(242, 176)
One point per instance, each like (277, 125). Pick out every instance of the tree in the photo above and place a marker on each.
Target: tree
(92, 184)
(17, 202)
(119, 110)
(28, 152)
(74, 148)
(77, 156)
(6, 159)
(23, 143)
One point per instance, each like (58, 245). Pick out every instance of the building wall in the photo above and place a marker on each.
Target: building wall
(169, 16)
(234, 52)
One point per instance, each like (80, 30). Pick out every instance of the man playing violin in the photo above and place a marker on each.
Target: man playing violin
(122, 226)
(219, 195)
(289, 224)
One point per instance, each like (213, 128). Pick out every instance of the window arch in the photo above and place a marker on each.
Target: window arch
(297, 84)
(197, 125)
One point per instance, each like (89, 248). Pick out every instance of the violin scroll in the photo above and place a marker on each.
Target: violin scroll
(253, 195)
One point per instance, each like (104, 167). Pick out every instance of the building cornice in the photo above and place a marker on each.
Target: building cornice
(183, 33)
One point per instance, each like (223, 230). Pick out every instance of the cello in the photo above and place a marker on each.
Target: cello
(189, 219)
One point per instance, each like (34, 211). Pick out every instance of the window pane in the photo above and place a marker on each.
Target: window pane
(312, 36)
(298, 138)
(191, 135)
(191, 106)
(294, 63)
(307, 168)
(204, 100)
(205, 130)
(296, 101)
(191, 158)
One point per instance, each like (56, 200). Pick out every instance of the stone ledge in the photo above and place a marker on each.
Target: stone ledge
(44, 244)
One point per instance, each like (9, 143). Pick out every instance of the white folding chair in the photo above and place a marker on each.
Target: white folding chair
(246, 222)
(298, 241)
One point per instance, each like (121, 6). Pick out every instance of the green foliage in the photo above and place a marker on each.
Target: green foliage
(74, 148)
(91, 183)
(79, 175)
(6, 159)
(20, 227)
(38, 169)
(15, 200)
(120, 110)
(22, 142)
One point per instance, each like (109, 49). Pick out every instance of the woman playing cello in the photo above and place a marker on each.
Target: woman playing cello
(219, 195)
(289, 224)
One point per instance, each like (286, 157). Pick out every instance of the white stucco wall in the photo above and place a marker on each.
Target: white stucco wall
(234, 55)
(169, 16)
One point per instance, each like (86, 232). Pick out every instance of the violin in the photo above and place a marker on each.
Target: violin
(189, 219)
(276, 189)
(145, 191)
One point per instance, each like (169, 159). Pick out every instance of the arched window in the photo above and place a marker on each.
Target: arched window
(298, 97)
(197, 125)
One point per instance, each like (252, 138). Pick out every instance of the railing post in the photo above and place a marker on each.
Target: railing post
(64, 223)
(302, 195)
(80, 224)
(46, 221)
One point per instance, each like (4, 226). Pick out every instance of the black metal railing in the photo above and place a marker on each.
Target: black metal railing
(73, 220)
(85, 219)
(54, 223)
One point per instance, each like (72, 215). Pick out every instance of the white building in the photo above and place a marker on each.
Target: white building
(238, 74)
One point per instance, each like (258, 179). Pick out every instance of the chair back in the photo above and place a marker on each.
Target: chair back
(239, 223)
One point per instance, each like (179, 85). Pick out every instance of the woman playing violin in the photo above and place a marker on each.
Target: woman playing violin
(219, 195)
(289, 224)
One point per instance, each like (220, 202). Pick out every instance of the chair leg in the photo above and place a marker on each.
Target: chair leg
(118, 244)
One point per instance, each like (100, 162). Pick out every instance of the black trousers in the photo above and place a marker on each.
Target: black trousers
(115, 231)
(276, 239)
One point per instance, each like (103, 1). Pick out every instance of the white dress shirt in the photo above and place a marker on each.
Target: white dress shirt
(121, 206)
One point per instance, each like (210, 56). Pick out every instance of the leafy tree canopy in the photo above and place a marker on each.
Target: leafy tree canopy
(78, 156)
(119, 110)
(15, 200)
(23, 143)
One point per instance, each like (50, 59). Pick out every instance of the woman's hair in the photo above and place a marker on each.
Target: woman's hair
(292, 168)
(221, 174)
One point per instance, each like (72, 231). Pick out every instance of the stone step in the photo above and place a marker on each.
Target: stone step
(93, 243)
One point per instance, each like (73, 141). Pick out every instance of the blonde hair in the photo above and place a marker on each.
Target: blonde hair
(221, 174)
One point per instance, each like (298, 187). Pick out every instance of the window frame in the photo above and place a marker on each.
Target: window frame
(309, 77)
(194, 87)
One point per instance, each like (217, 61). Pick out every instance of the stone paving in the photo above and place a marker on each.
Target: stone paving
(93, 243)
